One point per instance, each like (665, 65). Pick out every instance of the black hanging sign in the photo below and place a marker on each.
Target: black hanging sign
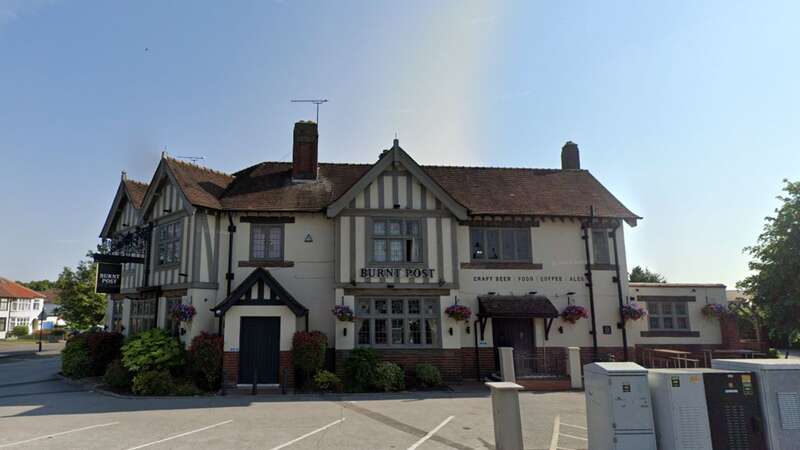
(109, 278)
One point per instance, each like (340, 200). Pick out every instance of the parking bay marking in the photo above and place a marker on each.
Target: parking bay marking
(180, 435)
(430, 433)
(58, 434)
(309, 434)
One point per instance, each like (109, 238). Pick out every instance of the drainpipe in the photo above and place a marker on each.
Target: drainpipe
(477, 356)
(148, 242)
(589, 283)
(231, 231)
(619, 291)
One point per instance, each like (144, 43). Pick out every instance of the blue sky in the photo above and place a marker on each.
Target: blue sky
(686, 111)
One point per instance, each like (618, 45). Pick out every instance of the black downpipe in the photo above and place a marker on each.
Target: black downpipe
(619, 292)
(590, 285)
(148, 241)
(229, 278)
(477, 355)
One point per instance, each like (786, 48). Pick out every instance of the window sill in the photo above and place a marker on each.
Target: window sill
(256, 263)
(668, 333)
(603, 267)
(174, 265)
(500, 265)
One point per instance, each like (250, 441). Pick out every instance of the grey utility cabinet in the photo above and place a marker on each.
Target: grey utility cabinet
(779, 385)
(706, 409)
(618, 407)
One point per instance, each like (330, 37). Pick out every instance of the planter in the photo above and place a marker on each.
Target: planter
(458, 313)
(574, 313)
(633, 311)
(343, 313)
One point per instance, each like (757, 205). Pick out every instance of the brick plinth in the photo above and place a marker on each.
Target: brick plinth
(230, 365)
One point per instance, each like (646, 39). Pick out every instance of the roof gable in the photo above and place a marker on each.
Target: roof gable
(261, 277)
(128, 192)
(397, 155)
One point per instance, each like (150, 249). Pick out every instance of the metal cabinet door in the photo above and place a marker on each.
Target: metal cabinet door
(635, 442)
(630, 403)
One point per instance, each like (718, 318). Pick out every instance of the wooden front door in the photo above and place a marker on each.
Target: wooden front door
(259, 350)
(517, 333)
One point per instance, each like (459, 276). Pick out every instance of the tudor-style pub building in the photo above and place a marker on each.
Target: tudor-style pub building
(271, 249)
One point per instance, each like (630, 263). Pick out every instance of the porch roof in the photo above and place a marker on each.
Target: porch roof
(262, 278)
(516, 306)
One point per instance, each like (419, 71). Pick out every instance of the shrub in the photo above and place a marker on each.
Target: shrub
(152, 350)
(153, 382)
(104, 347)
(20, 331)
(360, 369)
(389, 377)
(308, 350)
(773, 353)
(205, 360)
(428, 375)
(185, 388)
(75, 361)
(117, 376)
(327, 381)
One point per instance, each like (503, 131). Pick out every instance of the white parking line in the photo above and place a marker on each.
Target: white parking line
(308, 434)
(554, 438)
(572, 437)
(573, 426)
(180, 435)
(430, 433)
(59, 434)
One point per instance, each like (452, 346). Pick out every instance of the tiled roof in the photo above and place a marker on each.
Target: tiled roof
(10, 289)
(136, 190)
(482, 190)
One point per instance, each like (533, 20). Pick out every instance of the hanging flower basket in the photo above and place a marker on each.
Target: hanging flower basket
(715, 310)
(458, 312)
(633, 311)
(183, 313)
(343, 313)
(573, 313)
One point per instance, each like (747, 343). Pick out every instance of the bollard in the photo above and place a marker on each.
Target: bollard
(506, 416)
(507, 364)
(576, 381)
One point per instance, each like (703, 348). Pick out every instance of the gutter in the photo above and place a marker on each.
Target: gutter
(619, 291)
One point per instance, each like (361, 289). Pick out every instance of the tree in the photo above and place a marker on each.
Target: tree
(644, 275)
(81, 307)
(39, 285)
(774, 286)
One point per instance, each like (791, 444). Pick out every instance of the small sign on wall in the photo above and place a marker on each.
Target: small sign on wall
(109, 278)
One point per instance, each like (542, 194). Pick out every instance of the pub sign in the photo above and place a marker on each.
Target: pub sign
(109, 278)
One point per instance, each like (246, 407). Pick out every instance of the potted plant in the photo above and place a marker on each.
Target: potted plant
(633, 311)
(713, 310)
(183, 313)
(344, 313)
(573, 313)
(458, 312)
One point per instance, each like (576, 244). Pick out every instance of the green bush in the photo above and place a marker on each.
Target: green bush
(327, 381)
(75, 361)
(428, 375)
(117, 376)
(104, 347)
(152, 350)
(20, 331)
(389, 377)
(360, 369)
(185, 388)
(153, 382)
(773, 353)
(205, 361)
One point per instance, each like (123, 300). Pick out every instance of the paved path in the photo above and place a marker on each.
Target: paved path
(39, 411)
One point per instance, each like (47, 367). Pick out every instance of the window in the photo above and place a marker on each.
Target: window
(2, 324)
(3, 304)
(143, 315)
(20, 305)
(169, 243)
(600, 247)
(171, 325)
(35, 305)
(397, 322)
(500, 244)
(396, 241)
(18, 322)
(266, 242)
(116, 315)
(668, 316)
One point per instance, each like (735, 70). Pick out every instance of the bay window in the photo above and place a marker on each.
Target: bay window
(397, 322)
(396, 241)
(500, 244)
(143, 315)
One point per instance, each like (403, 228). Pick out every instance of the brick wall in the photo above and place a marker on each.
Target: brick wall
(286, 367)
(230, 365)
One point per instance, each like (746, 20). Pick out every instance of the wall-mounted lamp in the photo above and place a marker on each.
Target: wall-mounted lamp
(344, 331)
(450, 330)
(561, 330)
(467, 329)
(167, 210)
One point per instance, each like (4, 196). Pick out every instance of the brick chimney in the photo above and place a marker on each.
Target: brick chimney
(304, 151)
(570, 157)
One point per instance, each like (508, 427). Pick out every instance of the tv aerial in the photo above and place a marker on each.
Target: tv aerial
(314, 101)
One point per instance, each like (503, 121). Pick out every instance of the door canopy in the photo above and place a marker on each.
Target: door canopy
(260, 279)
